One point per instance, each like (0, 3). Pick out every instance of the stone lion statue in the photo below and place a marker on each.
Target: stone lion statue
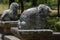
(35, 18)
(11, 14)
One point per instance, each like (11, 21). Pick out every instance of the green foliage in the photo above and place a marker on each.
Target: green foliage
(51, 3)
(53, 23)
(4, 1)
(27, 5)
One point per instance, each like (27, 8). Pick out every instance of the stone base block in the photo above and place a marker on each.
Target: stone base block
(42, 34)
(9, 37)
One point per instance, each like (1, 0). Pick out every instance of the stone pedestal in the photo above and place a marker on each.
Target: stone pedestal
(5, 26)
(56, 35)
(10, 37)
(42, 34)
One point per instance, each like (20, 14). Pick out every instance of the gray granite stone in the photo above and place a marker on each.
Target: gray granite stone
(11, 14)
(42, 34)
(35, 18)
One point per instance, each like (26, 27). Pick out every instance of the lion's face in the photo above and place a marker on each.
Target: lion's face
(14, 6)
(44, 10)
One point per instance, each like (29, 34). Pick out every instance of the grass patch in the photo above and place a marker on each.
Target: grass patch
(3, 7)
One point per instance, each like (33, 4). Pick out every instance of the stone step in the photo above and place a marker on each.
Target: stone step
(42, 34)
(9, 37)
(0, 36)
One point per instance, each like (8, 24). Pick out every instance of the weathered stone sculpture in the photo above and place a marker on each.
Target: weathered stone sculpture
(10, 14)
(34, 18)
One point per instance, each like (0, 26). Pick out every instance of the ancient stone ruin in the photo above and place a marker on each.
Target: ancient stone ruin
(35, 18)
(30, 26)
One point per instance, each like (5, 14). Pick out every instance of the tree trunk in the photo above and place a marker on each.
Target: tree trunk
(22, 5)
(58, 8)
(34, 2)
(1, 1)
(46, 1)
(10, 1)
(27, 0)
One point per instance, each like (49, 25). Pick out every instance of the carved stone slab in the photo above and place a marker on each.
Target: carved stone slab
(42, 34)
